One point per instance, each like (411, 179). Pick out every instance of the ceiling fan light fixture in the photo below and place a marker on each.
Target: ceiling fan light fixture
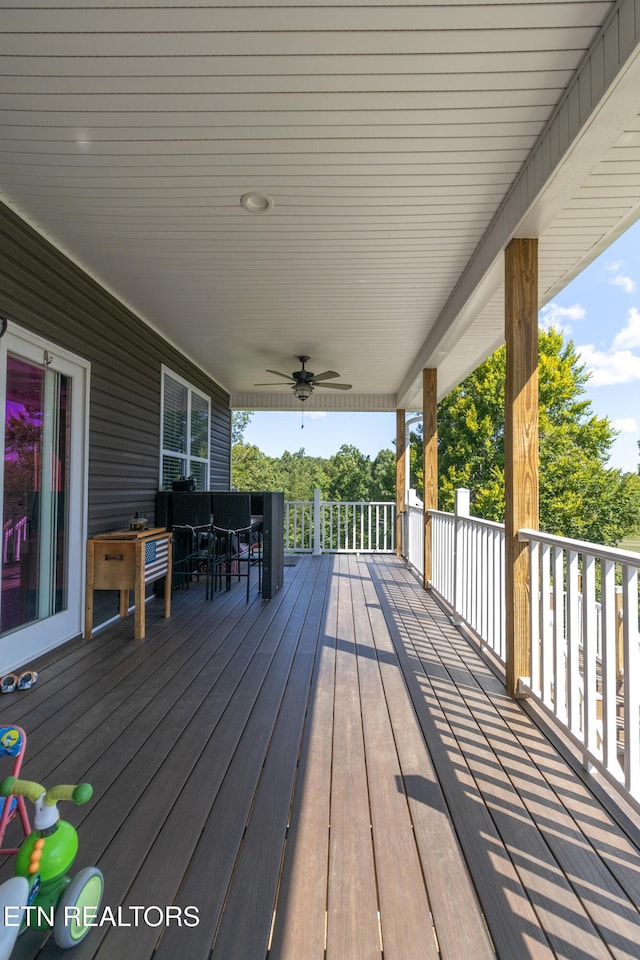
(256, 202)
(302, 391)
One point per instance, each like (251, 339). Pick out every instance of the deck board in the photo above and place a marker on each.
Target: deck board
(484, 850)
(335, 774)
(352, 902)
(398, 869)
(454, 904)
(300, 924)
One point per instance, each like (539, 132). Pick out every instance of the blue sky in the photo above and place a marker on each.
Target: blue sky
(599, 311)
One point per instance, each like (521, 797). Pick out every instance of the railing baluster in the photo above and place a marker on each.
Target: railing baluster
(631, 684)
(561, 697)
(573, 643)
(609, 677)
(535, 679)
(589, 644)
(546, 631)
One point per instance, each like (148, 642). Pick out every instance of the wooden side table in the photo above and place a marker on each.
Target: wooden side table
(127, 560)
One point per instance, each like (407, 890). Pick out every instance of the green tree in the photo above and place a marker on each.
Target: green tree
(301, 474)
(240, 420)
(383, 476)
(251, 469)
(579, 496)
(348, 475)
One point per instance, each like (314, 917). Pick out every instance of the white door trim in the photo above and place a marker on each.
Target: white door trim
(19, 647)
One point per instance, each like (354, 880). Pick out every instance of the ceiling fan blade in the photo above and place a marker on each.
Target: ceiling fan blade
(336, 386)
(287, 376)
(327, 375)
(270, 383)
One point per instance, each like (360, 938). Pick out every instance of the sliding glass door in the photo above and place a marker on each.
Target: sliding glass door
(43, 499)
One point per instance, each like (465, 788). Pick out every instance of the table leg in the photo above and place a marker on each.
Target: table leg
(139, 613)
(124, 603)
(167, 582)
(88, 601)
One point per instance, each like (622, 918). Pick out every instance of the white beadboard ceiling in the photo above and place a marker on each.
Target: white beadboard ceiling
(403, 146)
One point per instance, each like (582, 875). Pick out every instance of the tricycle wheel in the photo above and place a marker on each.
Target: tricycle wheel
(77, 908)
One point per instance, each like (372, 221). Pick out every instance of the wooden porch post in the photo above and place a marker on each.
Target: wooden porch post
(430, 461)
(401, 476)
(520, 447)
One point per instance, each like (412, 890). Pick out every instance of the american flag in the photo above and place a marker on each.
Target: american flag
(155, 559)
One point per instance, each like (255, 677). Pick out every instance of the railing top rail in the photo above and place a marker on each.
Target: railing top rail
(375, 503)
(478, 521)
(363, 503)
(628, 557)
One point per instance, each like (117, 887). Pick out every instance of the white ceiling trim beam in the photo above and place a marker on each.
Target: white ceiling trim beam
(223, 21)
(319, 400)
(567, 150)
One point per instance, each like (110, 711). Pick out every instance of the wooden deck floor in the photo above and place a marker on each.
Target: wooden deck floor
(335, 774)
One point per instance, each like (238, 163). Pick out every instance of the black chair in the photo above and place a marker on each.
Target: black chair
(230, 541)
(191, 523)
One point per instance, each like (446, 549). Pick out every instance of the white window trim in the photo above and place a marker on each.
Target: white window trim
(167, 371)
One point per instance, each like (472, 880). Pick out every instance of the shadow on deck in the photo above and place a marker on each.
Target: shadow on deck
(335, 773)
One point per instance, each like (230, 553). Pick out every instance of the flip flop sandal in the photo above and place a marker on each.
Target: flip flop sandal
(27, 679)
(8, 683)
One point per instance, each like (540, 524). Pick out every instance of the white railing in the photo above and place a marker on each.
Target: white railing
(298, 526)
(468, 570)
(413, 537)
(332, 526)
(585, 629)
(585, 650)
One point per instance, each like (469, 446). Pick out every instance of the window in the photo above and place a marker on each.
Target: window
(184, 441)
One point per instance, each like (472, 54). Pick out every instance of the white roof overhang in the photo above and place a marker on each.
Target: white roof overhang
(403, 146)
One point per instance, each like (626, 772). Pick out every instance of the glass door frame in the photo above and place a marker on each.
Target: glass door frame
(20, 646)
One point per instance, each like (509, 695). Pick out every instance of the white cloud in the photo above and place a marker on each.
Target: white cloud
(625, 282)
(629, 336)
(625, 425)
(619, 279)
(619, 366)
(561, 318)
(315, 414)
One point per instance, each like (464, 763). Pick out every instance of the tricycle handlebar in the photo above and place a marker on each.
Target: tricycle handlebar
(78, 793)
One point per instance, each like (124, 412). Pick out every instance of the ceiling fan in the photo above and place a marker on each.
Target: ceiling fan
(303, 382)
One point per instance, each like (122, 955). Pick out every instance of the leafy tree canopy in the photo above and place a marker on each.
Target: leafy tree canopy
(302, 474)
(579, 496)
(240, 420)
(251, 469)
(349, 474)
(383, 476)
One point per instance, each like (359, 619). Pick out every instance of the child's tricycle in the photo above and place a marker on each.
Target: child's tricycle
(54, 900)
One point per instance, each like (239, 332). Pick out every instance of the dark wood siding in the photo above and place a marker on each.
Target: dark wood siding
(46, 293)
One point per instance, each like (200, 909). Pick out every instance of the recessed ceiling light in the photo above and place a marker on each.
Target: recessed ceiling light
(256, 202)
